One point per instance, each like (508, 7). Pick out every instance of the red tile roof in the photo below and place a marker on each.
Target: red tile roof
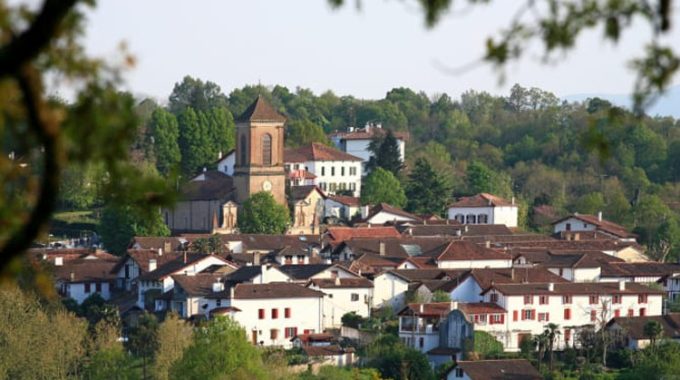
(464, 250)
(386, 208)
(274, 290)
(581, 288)
(486, 277)
(481, 200)
(339, 283)
(602, 224)
(507, 369)
(316, 152)
(346, 200)
(432, 309)
(480, 308)
(340, 234)
(261, 110)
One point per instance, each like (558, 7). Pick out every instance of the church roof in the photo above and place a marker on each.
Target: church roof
(261, 110)
(209, 185)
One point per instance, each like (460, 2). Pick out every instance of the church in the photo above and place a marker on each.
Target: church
(209, 202)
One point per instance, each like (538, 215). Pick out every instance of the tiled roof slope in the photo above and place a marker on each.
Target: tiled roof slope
(481, 200)
(261, 110)
(316, 152)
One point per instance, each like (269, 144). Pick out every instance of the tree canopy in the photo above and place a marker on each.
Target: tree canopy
(381, 186)
(260, 214)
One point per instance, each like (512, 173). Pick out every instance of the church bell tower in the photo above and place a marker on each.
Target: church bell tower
(259, 152)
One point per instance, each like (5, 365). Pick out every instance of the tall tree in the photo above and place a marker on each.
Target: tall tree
(482, 179)
(164, 136)
(194, 142)
(260, 214)
(143, 339)
(381, 186)
(196, 94)
(120, 223)
(427, 192)
(385, 153)
(302, 132)
(174, 336)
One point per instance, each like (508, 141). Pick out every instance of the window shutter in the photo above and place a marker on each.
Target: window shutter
(547, 317)
(514, 315)
(502, 318)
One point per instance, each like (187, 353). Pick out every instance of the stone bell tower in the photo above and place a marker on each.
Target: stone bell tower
(259, 152)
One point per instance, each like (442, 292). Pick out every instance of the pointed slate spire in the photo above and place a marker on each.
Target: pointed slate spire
(261, 110)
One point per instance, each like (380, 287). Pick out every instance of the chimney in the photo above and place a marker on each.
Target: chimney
(364, 211)
(256, 258)
(453, 305)
(217, 286)
(58, 261)
(577, 236)
(622, 285)
(382, 248)
(551, 287)
(458, 232)
(152, 264)
(599, 216)
(167, 246)
(219, 155)
(337, 281)
(185, 257)
(231, 292)
(488, 244)
(466, 228)
(422, 308)
(512, 273)
(425, 222)
(410, 231)
(160, 251)
(512, 200)
(72, 276)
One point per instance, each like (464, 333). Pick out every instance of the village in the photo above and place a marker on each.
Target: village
(344, 270)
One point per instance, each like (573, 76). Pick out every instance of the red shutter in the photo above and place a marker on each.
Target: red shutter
(502, 318)
(547, 317)
(286, 312)
(514, 315)
(533, 314)
(643, 312)
(275, 313)
(260, 314)
(567, 314)
(294, 331)
(593, 315)
(617, 313)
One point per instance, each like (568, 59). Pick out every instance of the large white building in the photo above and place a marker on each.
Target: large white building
(590, 223)
(356, 141)
(484, 208)
(342, 296)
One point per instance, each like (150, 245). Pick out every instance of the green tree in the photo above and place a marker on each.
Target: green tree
(385, 154)
(220, 350)
(653, 330)
(440, 296)
(164, 135)
(481, 179)
(426, 191)
(143, 339)
(194, 142)
(119, 224)
(260, 214)
(302, 132)
(196, 94)
(591, 203)
(482, 346)
(174, 336)
(211, 245)
(395, 361)
(381, 186)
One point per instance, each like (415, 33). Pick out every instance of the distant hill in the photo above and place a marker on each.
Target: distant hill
(668, 105)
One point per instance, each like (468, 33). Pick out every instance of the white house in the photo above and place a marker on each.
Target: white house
(462, 254)
(225, 163)
(356, 141)
(342, 206)
(484, 208)
(631, 330)
(271, 314)
(569, 305)
(383, 213)
(81, 278)
(342, 296)
(584, 222)
(334, 170)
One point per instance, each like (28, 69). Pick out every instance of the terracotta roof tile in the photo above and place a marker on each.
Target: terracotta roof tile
(386, 208)
(575, 288)
(339, 283)
(481, 200)
(274, 290)
(261, 110)
(317, 152)
(346, 200)
(634, 327)
(463, 250)
(209, 185)
(602, 224)
(509, 369)
(340, 234)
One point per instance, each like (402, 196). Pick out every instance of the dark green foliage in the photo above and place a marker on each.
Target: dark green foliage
(260, 214)
(211, 245)
(301, 132)
(481, 179)
(164, 136)
(194, 142)
(658, 362)
(440, 296)
(351, 319)
(395, 361)
(382, 187)
(427, 191)
(337, 373)
(385, 154)
(119, 224)
(483, 346)
(143, 339)
(196, 94)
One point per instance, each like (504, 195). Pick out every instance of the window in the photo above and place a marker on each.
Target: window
(323, 170)
(355, 297)
(642, 298)
(244, 149)
(561, 272)
(567, 335)
(527, 314)
(275, 313)
(593, 300)
(273, 334)
(631, 312)
(459, 372)
(342, 170)
(332, 170)
(567, 314)
(460, 218)
(87, 287)
(616, 298)
(267, 149)
(352, 170)
(493, 297)
(514, 315)
(593, 315)
(421, 342)
(566, 300)
(260, 314)
(568, 226)
(98, 287)
(286, 312)
(470, 219)
(482, 219)
(528, 300)
(291, 332)
(497, 319)
(543, 317)
(543, 300)
(643, 311)
(617, 313)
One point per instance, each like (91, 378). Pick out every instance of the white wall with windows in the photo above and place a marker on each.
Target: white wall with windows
(506, 215)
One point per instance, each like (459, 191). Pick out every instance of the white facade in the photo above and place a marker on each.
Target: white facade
(336, 209)
(226, 164)
(383, 217)
(574, 224)
(389, 290)
(507, 215)
(469, 264)
(333, 176)
(80, 291)
(339, 301)
(531, 315)
(359, 147)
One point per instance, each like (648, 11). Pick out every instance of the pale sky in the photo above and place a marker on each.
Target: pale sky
(363, 52)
